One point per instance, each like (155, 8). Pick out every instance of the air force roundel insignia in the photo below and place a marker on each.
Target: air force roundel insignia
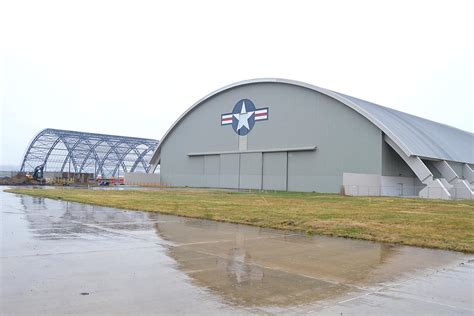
(243, 117)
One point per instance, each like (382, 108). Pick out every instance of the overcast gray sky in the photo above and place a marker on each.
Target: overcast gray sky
(131, 68)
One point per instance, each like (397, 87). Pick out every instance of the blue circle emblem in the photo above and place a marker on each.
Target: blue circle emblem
(243, 117)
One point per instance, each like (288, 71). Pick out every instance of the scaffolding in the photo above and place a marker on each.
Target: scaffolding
(104, 156)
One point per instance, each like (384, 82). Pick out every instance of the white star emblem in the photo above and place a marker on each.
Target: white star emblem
(243, 117)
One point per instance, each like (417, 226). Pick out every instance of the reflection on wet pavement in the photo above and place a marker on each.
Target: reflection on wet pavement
(137, 262)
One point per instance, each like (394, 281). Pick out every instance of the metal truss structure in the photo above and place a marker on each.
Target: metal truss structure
(79, 152)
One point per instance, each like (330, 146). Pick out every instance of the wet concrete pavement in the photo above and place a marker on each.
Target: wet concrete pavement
(60, 257)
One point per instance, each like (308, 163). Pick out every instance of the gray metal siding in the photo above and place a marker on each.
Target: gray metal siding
(457, 167)
(229, 173)
(211, 171)
(251, 171)
(275, 171)
(306, 172)
(393, 164)
(189, 173)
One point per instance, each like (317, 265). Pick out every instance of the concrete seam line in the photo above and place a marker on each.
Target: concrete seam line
(229, 240)
(280, 270)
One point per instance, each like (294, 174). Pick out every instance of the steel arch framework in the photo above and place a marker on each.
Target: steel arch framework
(79, 152)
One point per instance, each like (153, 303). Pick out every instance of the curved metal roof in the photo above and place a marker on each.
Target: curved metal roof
(416, 136)
(422, 137)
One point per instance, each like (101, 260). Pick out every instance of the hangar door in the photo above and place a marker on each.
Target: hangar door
(267, 171)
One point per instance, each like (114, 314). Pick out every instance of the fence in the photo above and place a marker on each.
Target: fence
(9, 174)
(404, 191)
(55, 178)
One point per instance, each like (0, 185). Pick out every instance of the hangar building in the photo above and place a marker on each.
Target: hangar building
(277, 134)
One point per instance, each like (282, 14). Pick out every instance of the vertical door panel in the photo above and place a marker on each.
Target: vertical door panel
(211, 171)
(251, 171)
(229, 171)
(275, 171)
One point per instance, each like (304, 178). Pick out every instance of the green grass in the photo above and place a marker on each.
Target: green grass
(427, 223)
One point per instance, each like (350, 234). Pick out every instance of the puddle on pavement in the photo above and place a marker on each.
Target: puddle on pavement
(242, 265)
(259, 267)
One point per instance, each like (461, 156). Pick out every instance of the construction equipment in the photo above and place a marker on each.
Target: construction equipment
(37, 176)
